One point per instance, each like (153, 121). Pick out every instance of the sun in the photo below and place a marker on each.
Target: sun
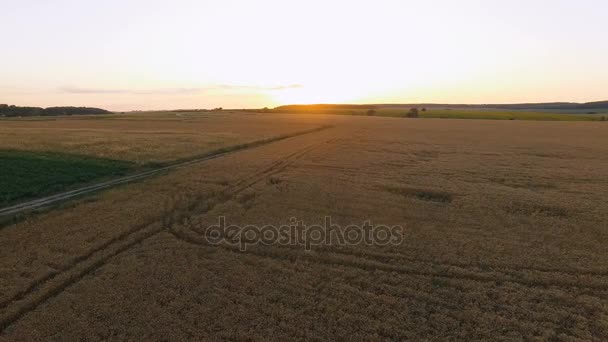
(316, 94)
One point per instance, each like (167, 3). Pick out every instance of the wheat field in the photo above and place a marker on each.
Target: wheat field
(145, 138)
(505, 233)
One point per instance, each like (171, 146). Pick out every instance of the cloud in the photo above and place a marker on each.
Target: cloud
(172, 91)
(166, 91)
(253, 87)
(289, 86)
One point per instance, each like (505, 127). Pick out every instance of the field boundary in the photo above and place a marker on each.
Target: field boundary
(64, 196)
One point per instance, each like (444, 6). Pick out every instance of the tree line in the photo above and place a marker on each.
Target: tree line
(11, 111)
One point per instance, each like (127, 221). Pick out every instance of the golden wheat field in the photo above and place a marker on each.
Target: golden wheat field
(146, 137)
(505, 229)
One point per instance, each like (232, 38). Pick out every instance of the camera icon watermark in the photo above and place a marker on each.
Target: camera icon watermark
(297, 233)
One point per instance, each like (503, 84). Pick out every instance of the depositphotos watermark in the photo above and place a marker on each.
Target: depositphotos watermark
(297, 233)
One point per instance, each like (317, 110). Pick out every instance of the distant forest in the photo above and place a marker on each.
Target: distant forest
(517, 106)
(6, 110)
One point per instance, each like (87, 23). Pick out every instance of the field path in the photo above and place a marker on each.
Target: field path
(64, 196)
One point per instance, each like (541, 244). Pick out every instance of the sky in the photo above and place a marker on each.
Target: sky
(150, 54)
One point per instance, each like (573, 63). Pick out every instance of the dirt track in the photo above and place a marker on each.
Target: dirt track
(64, 196)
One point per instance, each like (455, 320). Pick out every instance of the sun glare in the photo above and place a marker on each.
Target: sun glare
(315, 94)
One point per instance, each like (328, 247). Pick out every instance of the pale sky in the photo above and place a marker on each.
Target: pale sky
(151, 54)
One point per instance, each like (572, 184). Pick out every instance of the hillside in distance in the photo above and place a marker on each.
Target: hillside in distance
(553, 106)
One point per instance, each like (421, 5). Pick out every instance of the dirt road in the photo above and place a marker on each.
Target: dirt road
(67, 195)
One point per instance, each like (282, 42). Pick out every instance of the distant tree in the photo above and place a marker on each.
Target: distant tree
(413, 113)
(423, 109)
(371, 112)
(6, 110)
(73, 111)
(603, 118)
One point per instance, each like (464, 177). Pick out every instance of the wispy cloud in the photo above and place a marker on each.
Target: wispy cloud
(165, 91)
(173, 91)
(255, 87)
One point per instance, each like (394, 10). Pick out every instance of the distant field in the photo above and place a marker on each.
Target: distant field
(44, 155)
(31, 174)
(467, 114)
(146, 138)
(507, 115)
